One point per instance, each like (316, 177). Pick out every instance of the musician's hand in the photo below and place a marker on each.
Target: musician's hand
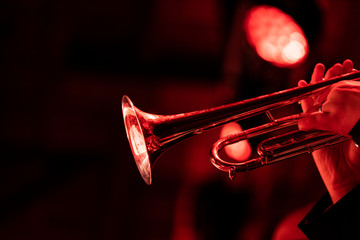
(339, 166)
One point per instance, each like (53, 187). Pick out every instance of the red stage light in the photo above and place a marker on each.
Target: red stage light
(276, 37)
(240, 151)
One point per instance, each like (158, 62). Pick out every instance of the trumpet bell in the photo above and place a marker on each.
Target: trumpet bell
(136, 138)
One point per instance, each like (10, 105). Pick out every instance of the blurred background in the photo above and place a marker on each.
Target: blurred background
(66, 167)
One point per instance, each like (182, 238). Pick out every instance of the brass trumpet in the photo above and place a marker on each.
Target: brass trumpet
(150, 135)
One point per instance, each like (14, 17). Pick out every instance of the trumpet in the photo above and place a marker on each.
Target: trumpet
(150, 135)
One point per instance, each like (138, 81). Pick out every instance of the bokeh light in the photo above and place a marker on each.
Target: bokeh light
(239, 151)
(275, 35)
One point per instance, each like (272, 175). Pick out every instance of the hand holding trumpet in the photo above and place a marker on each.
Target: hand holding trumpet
(336, 109)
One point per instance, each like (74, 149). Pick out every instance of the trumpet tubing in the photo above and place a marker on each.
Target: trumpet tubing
(149, 135)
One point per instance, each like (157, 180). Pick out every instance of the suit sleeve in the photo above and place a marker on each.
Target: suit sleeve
(339, 221)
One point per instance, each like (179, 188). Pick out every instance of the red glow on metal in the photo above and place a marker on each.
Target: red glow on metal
(240, 151)
(276, 37)
(136, 139)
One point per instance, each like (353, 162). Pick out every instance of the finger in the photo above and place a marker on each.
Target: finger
(306, 103)
(317, 76)
(318, 73)
(348, 66)
(335, 70)
(302, 83)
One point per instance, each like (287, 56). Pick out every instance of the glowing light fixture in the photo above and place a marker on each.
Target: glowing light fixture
(276, 37)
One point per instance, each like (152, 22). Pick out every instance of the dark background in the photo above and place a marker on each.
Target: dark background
(66, 171)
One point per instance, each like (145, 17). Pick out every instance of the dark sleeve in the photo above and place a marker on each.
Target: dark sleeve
(355, 133)
(339, 221)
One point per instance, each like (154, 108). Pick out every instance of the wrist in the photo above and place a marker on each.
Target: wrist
(339, 190)
(338, 193)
